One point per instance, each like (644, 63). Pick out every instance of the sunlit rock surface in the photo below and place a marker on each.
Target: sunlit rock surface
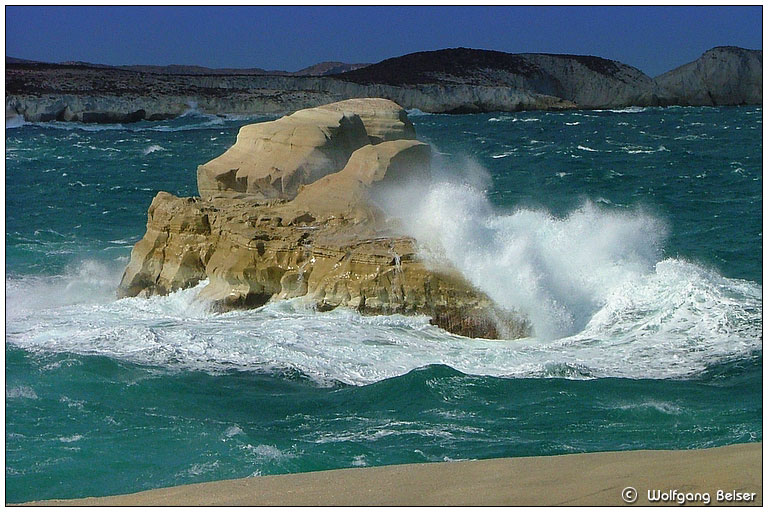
(307, 228)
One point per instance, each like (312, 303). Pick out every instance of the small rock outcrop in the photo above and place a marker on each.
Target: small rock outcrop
(298, 222)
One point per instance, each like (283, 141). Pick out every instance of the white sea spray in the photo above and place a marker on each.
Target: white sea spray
(556, 271)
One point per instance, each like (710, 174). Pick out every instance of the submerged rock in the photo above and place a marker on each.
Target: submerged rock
(304, 226)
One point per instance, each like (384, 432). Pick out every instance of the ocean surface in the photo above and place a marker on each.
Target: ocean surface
(631, 238)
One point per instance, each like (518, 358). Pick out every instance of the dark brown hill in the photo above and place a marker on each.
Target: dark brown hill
(468, 65)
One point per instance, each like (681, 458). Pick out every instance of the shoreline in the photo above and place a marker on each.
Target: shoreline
(453, 80)
(592, 479)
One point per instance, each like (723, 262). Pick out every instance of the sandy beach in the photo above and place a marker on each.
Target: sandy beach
(728, 475)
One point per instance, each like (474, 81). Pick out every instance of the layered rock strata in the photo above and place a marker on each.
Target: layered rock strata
(458, 80)
(320, 239)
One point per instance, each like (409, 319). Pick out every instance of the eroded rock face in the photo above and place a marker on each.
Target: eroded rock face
(273, 159)
(725, 75)
(345, 194)
(328, 245)
(250, 258)
(383, 119)
(174, 251)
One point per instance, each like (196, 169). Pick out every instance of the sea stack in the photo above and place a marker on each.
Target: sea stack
(286, 213)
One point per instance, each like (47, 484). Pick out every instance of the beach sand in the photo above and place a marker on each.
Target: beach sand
(579, 479)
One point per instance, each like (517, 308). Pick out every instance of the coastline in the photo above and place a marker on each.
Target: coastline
(450, 81)
(592, 479)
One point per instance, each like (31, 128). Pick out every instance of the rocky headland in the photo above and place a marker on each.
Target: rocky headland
(725, 75)
(458, 80)
(287, 213)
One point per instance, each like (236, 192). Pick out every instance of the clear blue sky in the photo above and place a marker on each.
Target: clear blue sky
(653, 39)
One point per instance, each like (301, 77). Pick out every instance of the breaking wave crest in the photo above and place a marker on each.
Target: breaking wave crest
(153, 148)
(556, 271)
(597, 276)
(674, 320)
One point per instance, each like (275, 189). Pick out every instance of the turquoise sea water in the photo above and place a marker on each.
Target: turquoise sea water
(632, 238)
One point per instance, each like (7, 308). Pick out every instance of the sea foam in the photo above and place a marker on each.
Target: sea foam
(672, 320)
(557, 271)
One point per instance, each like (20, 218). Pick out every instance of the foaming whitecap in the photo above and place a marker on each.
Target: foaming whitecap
(627, 110)
(414, 112)
(15, 392)
(177, 332)
(153, 148)
(71, 125)
(190, 120)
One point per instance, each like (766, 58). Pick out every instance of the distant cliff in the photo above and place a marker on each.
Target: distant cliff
(585, 81)
(458, 80)
(725, 75)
